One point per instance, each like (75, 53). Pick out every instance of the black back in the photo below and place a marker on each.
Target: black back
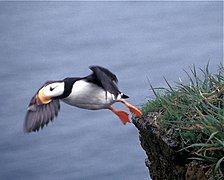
(100, 76)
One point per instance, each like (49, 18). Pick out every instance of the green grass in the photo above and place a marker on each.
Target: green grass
(195, 113)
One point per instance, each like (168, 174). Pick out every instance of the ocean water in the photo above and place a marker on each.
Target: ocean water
(138, 41)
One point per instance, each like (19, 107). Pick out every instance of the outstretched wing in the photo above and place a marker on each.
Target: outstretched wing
(105, 78)
(39, 115)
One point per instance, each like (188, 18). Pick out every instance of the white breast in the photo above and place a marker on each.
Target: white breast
(89, 96)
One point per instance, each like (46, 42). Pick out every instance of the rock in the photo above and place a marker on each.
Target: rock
(163, 161)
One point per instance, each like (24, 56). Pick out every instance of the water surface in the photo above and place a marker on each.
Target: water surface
(42, 41)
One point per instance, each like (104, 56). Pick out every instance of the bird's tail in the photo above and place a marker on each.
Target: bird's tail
(124, 96)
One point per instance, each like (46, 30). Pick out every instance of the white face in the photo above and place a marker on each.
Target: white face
(54, 89)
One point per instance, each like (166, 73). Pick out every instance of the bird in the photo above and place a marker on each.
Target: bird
(96, 91)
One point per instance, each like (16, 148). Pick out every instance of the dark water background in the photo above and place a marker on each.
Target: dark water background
(42, 41)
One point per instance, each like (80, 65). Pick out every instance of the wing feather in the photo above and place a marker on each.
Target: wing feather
(37, 116)
(105, 78)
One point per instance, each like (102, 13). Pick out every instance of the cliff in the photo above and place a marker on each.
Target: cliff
(162, 159)
(182, 129)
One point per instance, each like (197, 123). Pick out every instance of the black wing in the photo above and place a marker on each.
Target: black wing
(39, 115)
(104, 78)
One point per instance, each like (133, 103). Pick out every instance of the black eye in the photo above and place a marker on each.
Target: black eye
(51, 89)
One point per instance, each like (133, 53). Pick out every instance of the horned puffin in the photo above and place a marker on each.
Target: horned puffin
(96, 91)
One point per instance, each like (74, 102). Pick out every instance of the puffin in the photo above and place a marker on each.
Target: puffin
(93, 92)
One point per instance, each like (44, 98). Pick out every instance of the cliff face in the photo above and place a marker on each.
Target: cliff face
(163, 161)
(185, 139)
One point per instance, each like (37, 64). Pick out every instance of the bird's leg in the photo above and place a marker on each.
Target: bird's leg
(121, 114)
(132, 108)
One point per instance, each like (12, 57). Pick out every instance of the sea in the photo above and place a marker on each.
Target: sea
(141, 42)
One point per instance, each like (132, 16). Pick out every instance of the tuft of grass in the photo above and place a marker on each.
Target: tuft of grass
(195, 113)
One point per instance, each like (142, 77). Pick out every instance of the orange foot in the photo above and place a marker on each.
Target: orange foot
(121, 114)
(132, 108)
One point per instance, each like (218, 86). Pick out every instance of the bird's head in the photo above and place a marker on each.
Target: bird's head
(49, 91)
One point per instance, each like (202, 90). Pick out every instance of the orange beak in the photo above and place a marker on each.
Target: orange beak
(41, 98)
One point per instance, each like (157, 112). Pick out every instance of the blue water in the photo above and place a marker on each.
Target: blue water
(42, 41)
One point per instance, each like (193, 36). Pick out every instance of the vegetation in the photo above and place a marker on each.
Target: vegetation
(194, 113)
